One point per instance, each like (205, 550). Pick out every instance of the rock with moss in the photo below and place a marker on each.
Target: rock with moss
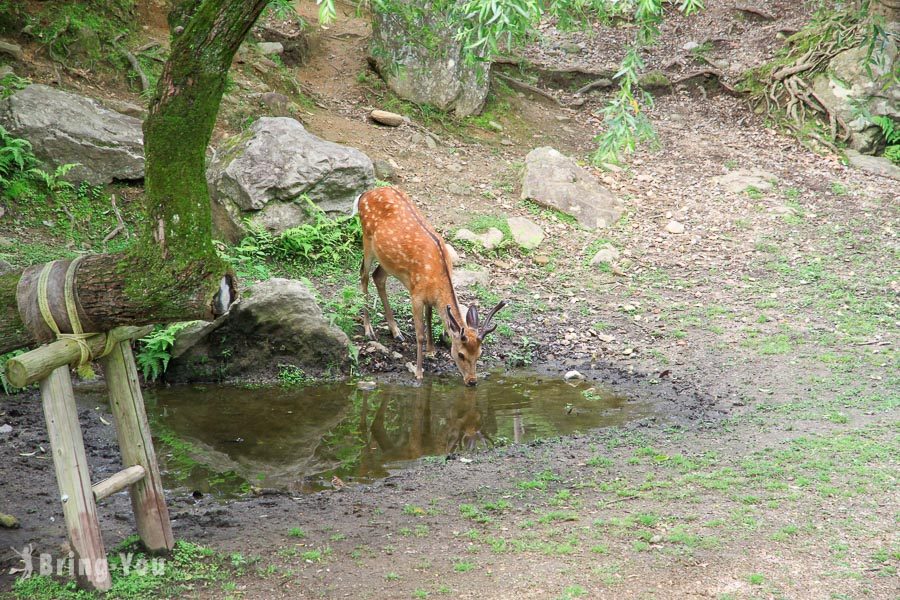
(66, 128)
(556, 181)
(277, 322)
(415, 50)
(851, 81)
(261, 175)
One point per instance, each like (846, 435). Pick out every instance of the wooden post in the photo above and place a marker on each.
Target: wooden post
(133, 431)
(74, 480)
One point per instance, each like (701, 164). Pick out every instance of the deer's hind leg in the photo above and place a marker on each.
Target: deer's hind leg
(380, 277)
(364, 284)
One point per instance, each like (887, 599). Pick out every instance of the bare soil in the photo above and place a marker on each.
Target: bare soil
(770, 325)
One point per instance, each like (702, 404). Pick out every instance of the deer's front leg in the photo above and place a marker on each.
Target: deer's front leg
(429, 348)
(418, 310)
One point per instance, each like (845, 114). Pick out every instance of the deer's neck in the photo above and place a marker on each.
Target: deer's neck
(448, 298)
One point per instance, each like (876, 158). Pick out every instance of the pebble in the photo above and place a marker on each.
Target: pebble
(675, 227)
(570, 375)
(541, 260)
(6, 428)
(366, 386)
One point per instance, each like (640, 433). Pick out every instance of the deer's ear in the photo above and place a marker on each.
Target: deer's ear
(472, 317)
(454, 326)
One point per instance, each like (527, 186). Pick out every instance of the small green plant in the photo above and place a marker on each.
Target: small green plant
(756, 579)
(291, 375)
(463, 566)
(392, 576)
(156, 350)
(296, 532)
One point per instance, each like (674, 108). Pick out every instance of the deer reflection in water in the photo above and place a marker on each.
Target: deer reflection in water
(405, 431)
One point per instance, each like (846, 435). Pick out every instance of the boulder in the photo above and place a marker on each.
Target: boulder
(297, 43)
(556, 181)
(426, 69)
(67, 128)
(276, 322)
(262, 173)
(877, 165)
(525, 232)
(847, 83)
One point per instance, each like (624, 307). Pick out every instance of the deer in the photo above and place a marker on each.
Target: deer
(407, 247)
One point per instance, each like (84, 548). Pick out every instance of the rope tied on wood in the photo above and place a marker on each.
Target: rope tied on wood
(77, 334)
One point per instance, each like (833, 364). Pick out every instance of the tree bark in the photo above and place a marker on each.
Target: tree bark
(172, 273)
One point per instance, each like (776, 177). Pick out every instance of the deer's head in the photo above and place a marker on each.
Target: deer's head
(466, 338)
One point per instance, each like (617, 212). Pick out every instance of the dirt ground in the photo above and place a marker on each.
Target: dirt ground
(769, 326)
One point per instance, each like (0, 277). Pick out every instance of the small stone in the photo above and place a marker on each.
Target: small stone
(383, 170)
(6, 428)
(5, 267)
(374, 346)
(396, 355)
(675, 227)
(464, 279)
(431, 142)
(270, 48)
(489, 240)
(690, 46)
(570, 375)
(386, 118)
(495, 126)
(453, 255)
(365, 386)
(628, 351)
(541, 260)
(607, 254)
(656, 539)
(459, 189)
(525, 232)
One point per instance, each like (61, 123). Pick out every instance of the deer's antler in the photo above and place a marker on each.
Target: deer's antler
(486, 328)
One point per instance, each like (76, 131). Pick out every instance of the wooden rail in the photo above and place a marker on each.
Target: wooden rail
(49, 365)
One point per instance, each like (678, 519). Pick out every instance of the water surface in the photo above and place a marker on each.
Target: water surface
(222, 439)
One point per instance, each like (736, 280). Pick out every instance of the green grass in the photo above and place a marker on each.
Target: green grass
(188, 567)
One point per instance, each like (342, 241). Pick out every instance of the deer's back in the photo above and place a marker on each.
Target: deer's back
(403, 242)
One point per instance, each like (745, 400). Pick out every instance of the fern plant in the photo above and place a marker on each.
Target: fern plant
(16, 159)
(156, 350)
(891, 132)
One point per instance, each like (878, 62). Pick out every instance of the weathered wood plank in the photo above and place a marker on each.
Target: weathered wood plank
(33, 366)
(133, 431)
(118, 482)
(73, 477)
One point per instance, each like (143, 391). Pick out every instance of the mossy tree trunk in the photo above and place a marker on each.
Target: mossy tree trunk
(172, 273)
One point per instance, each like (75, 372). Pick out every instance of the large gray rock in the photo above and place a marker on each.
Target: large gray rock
(556, 181)
(847, 83)
(262, 174)
(427, 71)
(877, 165)
(66, 128)
(276, 322)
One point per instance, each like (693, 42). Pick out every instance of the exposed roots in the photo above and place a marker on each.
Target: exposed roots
(786, 87)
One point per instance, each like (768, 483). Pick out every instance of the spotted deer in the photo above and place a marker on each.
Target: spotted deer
(396, 235)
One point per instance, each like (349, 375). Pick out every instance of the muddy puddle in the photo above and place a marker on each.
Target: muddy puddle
(223, 439)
